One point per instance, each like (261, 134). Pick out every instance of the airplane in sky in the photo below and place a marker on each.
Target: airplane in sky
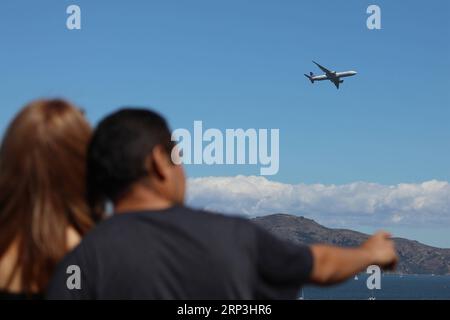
(333, 76)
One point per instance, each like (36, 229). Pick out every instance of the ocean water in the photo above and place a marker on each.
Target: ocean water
(393, 287)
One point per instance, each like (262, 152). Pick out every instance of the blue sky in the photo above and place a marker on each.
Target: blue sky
(238, 64)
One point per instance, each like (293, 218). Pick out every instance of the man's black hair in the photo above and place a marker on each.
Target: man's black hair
(117, 152)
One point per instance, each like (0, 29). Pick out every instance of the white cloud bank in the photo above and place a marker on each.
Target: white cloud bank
(358, 203)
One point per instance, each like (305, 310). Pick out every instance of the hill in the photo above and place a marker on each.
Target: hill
(415, 257)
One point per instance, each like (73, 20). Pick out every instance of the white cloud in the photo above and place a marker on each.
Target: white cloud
(358, 203)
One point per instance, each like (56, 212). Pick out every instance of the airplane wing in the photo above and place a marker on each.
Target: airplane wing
(336, 82)
(322, 68)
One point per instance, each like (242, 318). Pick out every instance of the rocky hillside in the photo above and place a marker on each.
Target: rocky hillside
(415, 257)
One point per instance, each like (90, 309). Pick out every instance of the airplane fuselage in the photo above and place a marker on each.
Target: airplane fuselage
(333, 76)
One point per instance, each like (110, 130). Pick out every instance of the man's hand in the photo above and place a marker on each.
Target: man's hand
(334, 264)
(381, 249)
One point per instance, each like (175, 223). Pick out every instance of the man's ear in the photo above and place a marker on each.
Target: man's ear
(160, 162)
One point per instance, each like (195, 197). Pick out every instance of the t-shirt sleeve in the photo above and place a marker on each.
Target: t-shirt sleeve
(282, 267)
(70, 281)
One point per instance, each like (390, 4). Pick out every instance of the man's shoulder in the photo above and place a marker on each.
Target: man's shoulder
(116, 227)
(209, 216)
(239, 228)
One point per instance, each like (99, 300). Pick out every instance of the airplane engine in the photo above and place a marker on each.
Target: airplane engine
(341, 81)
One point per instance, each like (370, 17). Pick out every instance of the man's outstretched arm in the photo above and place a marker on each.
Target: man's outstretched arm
(333, 264)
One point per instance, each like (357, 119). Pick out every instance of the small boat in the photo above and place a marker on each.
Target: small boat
(356, 277)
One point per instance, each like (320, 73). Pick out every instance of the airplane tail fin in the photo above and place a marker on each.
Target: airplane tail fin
(310, 77)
